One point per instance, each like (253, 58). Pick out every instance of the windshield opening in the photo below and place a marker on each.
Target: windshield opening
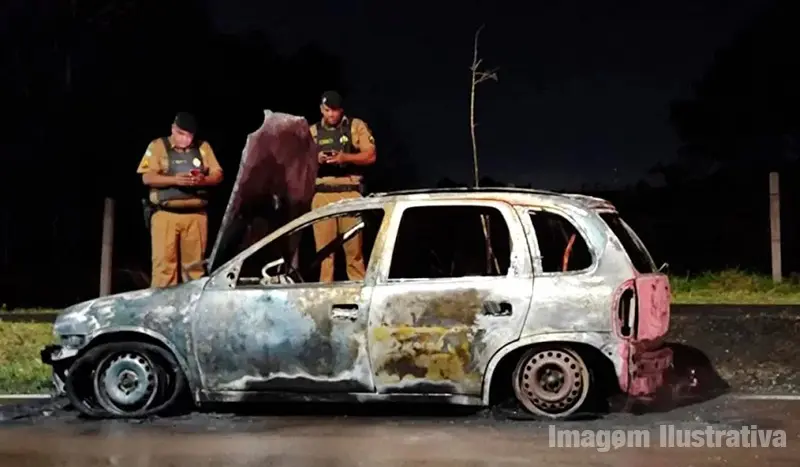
(638, 254)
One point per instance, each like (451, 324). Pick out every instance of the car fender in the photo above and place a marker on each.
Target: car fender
(602, 341)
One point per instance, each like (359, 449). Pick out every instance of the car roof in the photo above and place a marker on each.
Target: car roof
(516, 196)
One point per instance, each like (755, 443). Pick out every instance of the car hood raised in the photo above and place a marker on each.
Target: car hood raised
(274, 185)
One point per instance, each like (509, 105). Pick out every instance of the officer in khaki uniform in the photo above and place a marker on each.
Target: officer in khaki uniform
(346, 146)
(177, 169)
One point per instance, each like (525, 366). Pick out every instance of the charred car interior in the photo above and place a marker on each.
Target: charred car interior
(295, 258)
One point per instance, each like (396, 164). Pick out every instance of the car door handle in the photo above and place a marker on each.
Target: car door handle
(497, 308)
(344, 311)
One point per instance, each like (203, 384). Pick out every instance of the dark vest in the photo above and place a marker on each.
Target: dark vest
(338, 138)
(178, 163)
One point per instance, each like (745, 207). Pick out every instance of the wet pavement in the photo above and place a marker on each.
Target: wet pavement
(41, 434)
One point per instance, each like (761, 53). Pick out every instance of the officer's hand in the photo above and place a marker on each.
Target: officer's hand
(184, 179)
(336, 158)
(322, 157)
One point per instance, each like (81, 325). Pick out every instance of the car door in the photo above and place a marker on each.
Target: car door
(260, 333)
(442, 305)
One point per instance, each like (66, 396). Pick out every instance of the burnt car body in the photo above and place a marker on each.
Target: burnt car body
(470, 295)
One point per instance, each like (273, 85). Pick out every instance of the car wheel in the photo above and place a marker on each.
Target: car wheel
(124, 380)
(551, 381)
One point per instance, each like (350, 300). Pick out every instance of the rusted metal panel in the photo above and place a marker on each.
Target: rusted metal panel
(164, 314)
(280, 338)
(439, 335)
(286, 337)
(439, 338)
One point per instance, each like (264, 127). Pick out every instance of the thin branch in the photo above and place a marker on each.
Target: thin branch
(482, 76)
(477, 78)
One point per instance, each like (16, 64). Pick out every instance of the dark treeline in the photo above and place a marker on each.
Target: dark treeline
(85, 90)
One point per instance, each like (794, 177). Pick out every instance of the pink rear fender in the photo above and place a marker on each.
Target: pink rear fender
(653, 300)
(645, 359)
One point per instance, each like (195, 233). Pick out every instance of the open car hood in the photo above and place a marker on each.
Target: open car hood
(274, 185)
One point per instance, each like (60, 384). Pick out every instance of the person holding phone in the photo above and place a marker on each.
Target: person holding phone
(346, 147)
(178, 169)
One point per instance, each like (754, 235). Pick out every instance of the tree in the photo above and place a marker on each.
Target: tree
(477, 78)
(745, 108)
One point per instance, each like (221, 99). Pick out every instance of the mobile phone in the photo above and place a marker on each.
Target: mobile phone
(195, 172)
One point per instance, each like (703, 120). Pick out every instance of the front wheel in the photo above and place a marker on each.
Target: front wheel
(124, 380)
(551, 381)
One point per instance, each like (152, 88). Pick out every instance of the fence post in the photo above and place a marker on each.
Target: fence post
(775, 226)
(107, 249)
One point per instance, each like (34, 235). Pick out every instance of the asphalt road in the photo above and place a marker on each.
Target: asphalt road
(40, 434)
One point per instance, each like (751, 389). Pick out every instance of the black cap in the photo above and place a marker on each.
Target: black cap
(332, 99)
(186, 122)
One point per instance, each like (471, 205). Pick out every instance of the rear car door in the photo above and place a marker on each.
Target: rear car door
(446, 299)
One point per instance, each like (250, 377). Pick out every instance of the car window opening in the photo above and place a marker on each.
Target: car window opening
(561, 246)
(638, 254)
(302, 259)
(435, 242)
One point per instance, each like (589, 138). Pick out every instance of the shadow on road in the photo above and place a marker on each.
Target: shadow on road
(692, 380)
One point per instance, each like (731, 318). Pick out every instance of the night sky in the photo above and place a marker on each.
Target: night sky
(583, 93)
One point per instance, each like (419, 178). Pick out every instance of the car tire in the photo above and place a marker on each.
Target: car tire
(552, 381)
(125, 380)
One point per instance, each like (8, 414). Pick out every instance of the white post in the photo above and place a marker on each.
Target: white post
(775, 226)
(107, 249)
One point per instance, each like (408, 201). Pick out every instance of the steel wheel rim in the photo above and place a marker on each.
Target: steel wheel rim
(126, 382)
(552, 383)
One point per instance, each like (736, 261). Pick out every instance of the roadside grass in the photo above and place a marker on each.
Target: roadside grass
(734, 287)
(26, 311)
(21, 370)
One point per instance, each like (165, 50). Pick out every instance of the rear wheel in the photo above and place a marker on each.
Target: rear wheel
(125, 380)
(551, 381)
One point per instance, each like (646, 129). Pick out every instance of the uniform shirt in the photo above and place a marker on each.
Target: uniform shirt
(155, 161)
(362, 140)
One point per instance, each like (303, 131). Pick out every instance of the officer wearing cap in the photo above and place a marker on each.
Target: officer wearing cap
(346, 146)
(178, 169)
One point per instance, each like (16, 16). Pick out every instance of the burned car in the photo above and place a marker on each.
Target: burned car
(471, 296)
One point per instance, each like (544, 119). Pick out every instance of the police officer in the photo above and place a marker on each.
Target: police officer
(346, 146)
(178, 169)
